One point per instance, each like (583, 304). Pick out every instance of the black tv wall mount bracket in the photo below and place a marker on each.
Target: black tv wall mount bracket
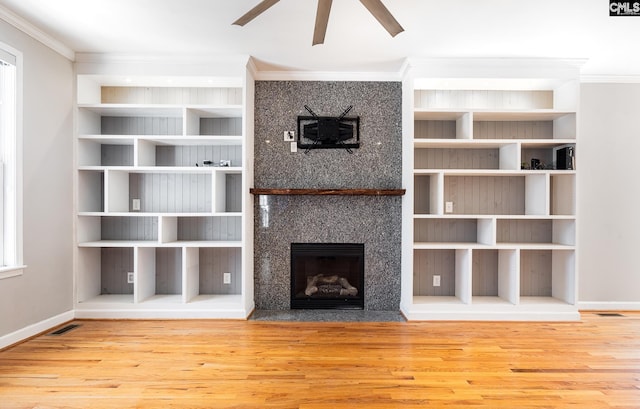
(328, 132)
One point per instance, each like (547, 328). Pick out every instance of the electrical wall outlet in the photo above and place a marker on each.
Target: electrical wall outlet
(294, 147)
(130, 278)
(436, 281)
(226, 278)
(448, 207)
(289, 136)
(135, 204)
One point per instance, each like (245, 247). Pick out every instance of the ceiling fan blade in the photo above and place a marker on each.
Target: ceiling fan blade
(255, 12)
(384, 17)
(322, 19)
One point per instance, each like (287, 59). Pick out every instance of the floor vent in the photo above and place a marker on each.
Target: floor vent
(610, 314)
(64, 330)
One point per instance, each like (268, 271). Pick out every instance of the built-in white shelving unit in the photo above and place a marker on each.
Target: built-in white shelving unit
(490, 213)
(164, 215)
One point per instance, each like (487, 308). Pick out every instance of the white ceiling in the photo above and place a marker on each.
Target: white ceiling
(280, 38)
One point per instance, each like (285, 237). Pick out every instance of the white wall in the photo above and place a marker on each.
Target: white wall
(45, 290)
(609, 196)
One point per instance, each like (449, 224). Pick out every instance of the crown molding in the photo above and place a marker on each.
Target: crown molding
(392, 76)
(37, 34)
(610, 79)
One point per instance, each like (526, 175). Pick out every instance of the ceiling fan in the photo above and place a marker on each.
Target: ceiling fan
(375, 7)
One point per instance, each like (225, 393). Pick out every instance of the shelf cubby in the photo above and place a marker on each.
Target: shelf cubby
(204, 272)
(91, 191)
(486, 195)
(563, 194)
(201, 229)
(105, 274)
(105, 151)
(158, 274)
(154, 95)
(92, 229)
(483, 99)
(536, 232)
(453, 267)
(494, 275)
(442, 125)
(165, 192)
(427, 187)
(451, 230)
(524, 125)
(546, 274)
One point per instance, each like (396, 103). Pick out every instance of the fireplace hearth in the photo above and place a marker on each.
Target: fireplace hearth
(327, 276)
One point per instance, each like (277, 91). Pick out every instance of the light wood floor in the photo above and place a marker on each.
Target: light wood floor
(590, 364)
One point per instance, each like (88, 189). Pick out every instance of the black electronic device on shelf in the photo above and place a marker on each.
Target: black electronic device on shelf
(565, 158)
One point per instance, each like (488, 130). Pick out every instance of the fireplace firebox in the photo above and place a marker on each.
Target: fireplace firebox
(327, 276)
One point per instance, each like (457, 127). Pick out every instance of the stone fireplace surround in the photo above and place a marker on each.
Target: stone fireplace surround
(374, 221)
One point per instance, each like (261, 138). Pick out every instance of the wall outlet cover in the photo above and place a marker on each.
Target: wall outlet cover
(130, 278)
(226, 278)
(135, 204)
(436, 281)
(448, 207)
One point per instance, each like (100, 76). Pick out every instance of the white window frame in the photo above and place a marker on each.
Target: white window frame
(12, 264)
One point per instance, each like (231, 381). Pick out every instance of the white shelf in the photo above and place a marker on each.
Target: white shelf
(143, 142)
(155, 243)
(500, 237)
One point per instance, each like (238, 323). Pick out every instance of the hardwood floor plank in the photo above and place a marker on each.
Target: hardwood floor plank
(594, 363)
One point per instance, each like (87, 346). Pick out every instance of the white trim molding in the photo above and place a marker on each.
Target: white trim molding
(35, 329)
(610, 79)
(609, 306)
(39, 35)
(391, 76)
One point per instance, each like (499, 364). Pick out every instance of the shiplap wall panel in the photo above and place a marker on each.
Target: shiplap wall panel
(214, 262)
(456, 158)
(168, 271)
(563, 194)
(513, 129)
(485, 273)
(131, 125)
(504, 194)
(129, 228)
(434, 129)
(172, 95)
(115, 263)
(90, 191)
(524, 231)
(221, 126)
(233, 193)
(167, 192)
(445, 230)
(189, 155)
(210, 228)
(536, 273)
(483, 99)
(116, 155)
(426, 264)
(422, 194)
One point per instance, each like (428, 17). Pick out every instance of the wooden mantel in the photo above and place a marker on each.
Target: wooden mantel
(329, 192)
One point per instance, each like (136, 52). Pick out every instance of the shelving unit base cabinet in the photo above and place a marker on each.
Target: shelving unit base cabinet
(541, 309)
(160, 282)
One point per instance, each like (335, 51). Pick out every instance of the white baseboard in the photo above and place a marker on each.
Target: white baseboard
(35, 329)
(609, 306)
